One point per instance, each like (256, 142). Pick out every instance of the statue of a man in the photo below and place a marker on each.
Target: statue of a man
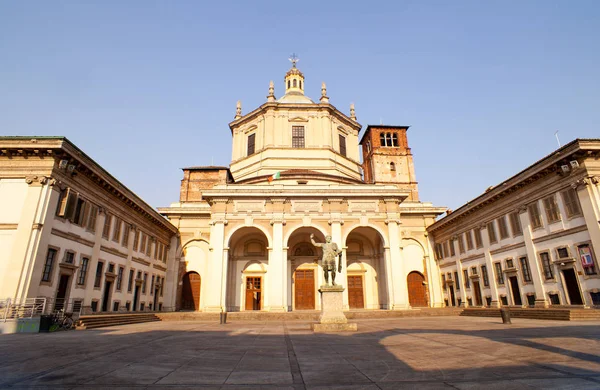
(330, 253)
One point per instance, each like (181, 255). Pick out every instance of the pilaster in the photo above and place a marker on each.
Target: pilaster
(534, 264)
(490, 266)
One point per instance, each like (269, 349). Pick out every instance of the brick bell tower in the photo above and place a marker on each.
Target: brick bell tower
(387, 159)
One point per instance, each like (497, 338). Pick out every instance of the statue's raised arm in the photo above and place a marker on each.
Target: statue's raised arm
(312, 240)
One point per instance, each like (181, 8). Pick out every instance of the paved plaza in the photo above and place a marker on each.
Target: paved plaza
(420, 353)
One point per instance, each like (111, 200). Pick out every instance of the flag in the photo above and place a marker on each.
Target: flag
(274, 176)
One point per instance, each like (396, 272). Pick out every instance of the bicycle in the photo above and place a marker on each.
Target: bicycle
(62, 321)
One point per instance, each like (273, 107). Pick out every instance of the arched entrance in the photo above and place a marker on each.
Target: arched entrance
(366, 270)
(304, 271)
(247, 271)
(417, 295)
(190, 293)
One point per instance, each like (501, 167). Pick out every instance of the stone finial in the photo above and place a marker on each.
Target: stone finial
(238, 110)
(324, 97)
(352, 112)
(271, 95)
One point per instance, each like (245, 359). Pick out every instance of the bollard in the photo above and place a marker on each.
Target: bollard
(505, 313)
(223, 317)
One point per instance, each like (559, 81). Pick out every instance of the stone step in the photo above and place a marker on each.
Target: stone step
(537, 313)
(100, 321)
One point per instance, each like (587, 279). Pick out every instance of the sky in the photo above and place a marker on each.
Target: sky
(146, 88)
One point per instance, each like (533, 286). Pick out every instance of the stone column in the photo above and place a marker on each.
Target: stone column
(217, 268)
(490, 266)
(460, 282)
(277, 269)
(341, 278)
(534, 265)
(387, 262)
(591, 211)
(398, 275)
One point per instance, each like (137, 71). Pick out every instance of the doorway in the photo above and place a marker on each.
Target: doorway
(417, 296)
(452, 297)
(355, 292)
(572, 286)
(478, 298)
(61, 293)
(253, 293)
(516, 292)
(190, 293)
(155, 305)
(106, 296)
(136, 297)
(304, 289)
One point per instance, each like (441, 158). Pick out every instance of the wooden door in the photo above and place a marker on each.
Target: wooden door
(516, 292)
(190, 294)
(478, 300)
(253, 293)
(304, 289)
(417, 296)
(572, 287)
(355, 292)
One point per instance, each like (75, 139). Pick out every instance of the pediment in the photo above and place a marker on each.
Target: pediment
(298, 119)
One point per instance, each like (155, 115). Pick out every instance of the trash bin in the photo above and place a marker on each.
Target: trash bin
(223, 318)
(45, 323)
(505, 313)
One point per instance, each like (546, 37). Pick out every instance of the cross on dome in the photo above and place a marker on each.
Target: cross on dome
(294, 59)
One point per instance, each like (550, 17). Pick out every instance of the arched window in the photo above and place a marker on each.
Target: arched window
(294, 83)
(300, 84)
(289, 84)
(382, 139)
(392, 166)
(388, 139)
(395, 140)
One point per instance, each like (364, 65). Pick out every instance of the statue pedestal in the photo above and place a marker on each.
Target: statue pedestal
(332, 317)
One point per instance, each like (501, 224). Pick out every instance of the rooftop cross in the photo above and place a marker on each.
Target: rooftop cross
(294, 59)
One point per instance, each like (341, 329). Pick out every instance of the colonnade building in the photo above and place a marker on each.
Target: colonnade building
(532, 240)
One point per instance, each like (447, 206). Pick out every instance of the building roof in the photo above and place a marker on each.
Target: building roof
(548, 162)
(53, 144)
(206, 168)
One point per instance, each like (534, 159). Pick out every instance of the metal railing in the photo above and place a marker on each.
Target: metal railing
(28, 308)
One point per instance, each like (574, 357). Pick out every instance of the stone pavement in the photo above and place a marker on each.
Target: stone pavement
(420, 353)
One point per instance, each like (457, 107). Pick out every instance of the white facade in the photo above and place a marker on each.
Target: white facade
(539, 237)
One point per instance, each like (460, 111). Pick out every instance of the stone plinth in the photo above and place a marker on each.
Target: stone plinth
(332, 317)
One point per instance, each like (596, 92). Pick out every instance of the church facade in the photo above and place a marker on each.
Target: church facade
(296, 170)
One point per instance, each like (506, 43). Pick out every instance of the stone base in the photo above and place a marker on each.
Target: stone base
(332, 317)
(324, 328)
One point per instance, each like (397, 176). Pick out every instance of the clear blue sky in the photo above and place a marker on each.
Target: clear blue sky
(148, 87)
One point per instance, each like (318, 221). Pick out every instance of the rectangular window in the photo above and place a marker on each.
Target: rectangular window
(443, 280)
(162, 283)
(491, 232)
(152, 286)
(98, 279)
(136, 240)
(117, 230)
(554, 299)
(144, 283)
(125, 238)
(111, 268)
(342, 145)
(499, 275)
(456, 281)
(106, 228)
(149, 246)
(83, 270)
(587, 259)
(94, 306)
(469, 240)
(478, 239)
(563, 253)
(461, 243)
(120, 278)
(91, 223)
(552, 212)
(474, 270)
(525, 269)
(49, 264)
(115, 306)
(66, 206)
(509, 263)
(80, 208)
(452, 250)
(69, 258)
(515, 224)
(128, 306)
(130, 281)
(466, 276)
(297, 136)
(503, 227)
(534, 215)
(164, 256)
(571, 202)
(546, 266)
(142, 306)
(484, 274)
(445, 249)
(143, 244)
(251, 145)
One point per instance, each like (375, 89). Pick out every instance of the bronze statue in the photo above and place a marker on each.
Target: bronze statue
(330, 253)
